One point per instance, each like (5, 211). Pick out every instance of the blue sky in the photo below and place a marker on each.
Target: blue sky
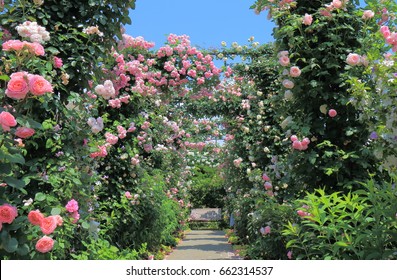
(207, 22)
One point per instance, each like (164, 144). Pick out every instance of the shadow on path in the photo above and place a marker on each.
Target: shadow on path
(203, 245)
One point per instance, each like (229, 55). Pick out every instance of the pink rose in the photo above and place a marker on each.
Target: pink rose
(128, 195)
(35, 217)
(289, 254)
(265, 177)
(337, 4)
(72, 206)
(297, 145)
(353, 59)
(368, 14)
(24, 132)
(295, 72)
(48, 225)
(8, 213)
(13, 45)
(7, 120)
(38, 85)
(44, 244)
(57, 62)
(307, 19)
(17, 86)
(385, 31)
(75, 216)
(268, 186)
(288, 84)
(284, 60)
(332, 113)
(111, 139)
(59, 220)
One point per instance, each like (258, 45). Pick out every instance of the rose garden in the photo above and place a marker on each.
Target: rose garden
(107, 141)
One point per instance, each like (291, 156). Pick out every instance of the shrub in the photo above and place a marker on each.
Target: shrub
(358, 225)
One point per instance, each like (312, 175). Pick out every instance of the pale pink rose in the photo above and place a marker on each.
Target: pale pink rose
(353, 59)
(337, 4)
(72, 206)
(368, 14)
(45, 244)
(8, 213)
(307, 19)
(284, 60)
(48, 225)
(332, 113)
(128, 195)
(38, 85)
(237, 162)
(57, 62)
(7, 120)
(267, 230)
(288, 84)
(294, 138)
(295, 72)
(35, 217)
(59, 220)
(24, 132)
(17, 86)
(111, 139)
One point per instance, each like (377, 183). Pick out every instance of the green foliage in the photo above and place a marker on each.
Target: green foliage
(357, 225)
(206, 189)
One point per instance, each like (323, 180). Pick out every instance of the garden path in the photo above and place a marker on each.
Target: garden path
(204, 245)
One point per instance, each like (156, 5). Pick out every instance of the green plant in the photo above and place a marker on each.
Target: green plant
(356, 225)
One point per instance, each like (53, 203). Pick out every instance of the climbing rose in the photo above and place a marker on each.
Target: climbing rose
(24, 132)
(35, 217)
(353, 59)
(368, 14)
(75, 216)
(295, 71)
(57, 62)
(332, 113)
(7, 120)
(289, 254)
(38, 85)
(7, 213)
(128, 195)
(59, 220)
(307, 19)
(48, 225)
(44, 244)
(288, 84)
(17, 87)
(284, 60)
(72, 206)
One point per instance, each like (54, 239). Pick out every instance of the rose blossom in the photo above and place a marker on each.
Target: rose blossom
(284, 60)
(44, 244)
(38, 85)
(7, 120)
(59, 220)
(57, 62)
(24, 132)
(368, 14)
(72, 206)
(353, 59)
(7, 213)
(288, 84)
(35, 217)
(307, 19)
(295, 72)
(48, 225)
(75, 216)
(17, 87)
(332, 113)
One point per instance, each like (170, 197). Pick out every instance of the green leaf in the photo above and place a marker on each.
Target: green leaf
(85, 225)
(11, 246)
(49, 143)
(15, 183)
(342, 244)
(40, 196)
(23, 250)
(55, 211)
(15, 158)
(5, 168)
(4, 78)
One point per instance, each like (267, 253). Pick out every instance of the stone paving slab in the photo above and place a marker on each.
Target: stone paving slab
(203, 245)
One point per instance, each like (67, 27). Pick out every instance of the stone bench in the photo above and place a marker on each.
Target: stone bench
(206, 214)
